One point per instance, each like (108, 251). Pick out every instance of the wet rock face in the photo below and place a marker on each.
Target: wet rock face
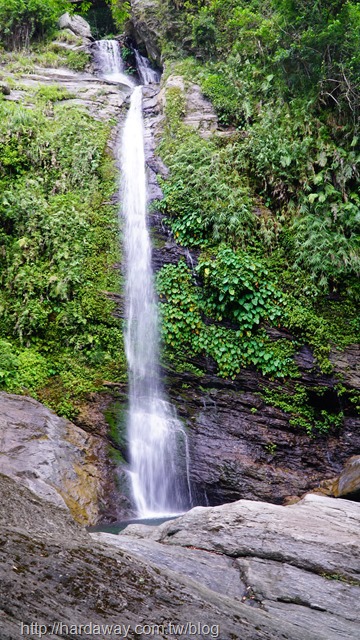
(242, 448)
(146, 28)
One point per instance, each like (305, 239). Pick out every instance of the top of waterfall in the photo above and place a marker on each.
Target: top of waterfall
(147, 74)
(109, 63)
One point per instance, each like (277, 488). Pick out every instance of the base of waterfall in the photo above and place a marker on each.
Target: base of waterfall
(247, 570)
(117, 527)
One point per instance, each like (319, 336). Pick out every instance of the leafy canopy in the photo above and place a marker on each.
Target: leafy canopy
(24, 20)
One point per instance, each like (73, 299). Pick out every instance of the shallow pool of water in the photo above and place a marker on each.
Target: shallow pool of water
(117, 527)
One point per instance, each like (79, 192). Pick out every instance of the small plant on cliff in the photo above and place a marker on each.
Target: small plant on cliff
(303, 414)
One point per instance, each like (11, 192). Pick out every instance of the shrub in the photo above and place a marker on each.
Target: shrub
(204, 33)
(58, 337)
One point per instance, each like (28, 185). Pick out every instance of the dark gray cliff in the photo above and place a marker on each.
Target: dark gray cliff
(146, 27)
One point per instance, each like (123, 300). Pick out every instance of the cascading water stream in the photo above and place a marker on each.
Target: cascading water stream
(157, 441)
(107, 58)
(147, 74)
(153, 428)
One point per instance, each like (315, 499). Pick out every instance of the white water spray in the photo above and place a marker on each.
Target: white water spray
(154, 431)
(159, 460)
(147, 74)
(107, 57)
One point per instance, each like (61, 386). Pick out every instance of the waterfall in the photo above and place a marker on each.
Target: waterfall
(158, 446)
(154, 431)
(147, 74)
(108, 61)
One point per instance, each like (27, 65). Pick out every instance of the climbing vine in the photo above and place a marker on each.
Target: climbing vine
(188, 329)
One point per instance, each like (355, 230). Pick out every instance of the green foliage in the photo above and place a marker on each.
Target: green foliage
(320, 47)
(295, 164)
(303, 414)
(187, 329)
(65, 35)
(24, 20)
(58, 243)
(271, 448)
(53, 93)
(341, 578)
(120, 10)
(8, 363)
(44, 54)
(224, 95)
(77, 60)
(205, 198)
(238, 287)
(310, 49)
(204, 32)
(174, 108)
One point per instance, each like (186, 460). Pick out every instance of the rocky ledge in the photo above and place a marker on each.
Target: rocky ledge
(299, 565)
(247, 570)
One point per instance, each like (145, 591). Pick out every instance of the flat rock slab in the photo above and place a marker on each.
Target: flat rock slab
(299, 563)
(214, 571)
(317, 534)
(101, 98)
(52, 572)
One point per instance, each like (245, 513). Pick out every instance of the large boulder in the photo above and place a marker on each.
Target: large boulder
(55, 574)
(54, 458)
(77, 25)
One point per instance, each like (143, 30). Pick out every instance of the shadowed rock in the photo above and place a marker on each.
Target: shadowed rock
(348, 483)
(57, 460)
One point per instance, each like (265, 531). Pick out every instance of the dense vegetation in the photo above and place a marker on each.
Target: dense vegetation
(24, 20)
(58, 337)
(273, 206)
